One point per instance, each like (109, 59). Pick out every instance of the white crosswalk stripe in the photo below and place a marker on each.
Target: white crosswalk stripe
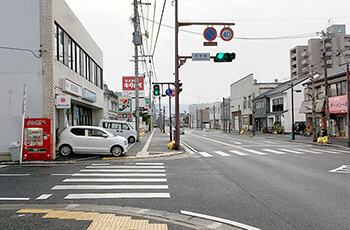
(222, 153)
(256, 152)
(205, 154)
(238, 153)
(279, 151)
(292, 151)
(145, 180)
(309, 151)
(274, 151)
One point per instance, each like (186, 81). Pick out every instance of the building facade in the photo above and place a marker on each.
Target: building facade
(305, 60)
(242, 92)
(63, 61)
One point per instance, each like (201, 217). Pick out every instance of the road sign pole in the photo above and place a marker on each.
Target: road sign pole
(177, 107)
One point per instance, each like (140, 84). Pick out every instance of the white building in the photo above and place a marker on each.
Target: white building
(69, 63)
(242, 93)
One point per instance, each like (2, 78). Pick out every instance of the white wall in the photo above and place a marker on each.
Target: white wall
(20, 28)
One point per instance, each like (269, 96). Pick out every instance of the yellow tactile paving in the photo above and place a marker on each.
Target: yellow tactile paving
(157, 227)
(138, 224)
(99, 221)
(34, 211)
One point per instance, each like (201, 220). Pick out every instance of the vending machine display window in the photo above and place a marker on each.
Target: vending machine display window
(33, 136)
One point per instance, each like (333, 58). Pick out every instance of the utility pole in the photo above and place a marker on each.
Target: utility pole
(137, 41)
(313, 101)
(326, 87)
(214, 116)
(253, 114)
(292, 92)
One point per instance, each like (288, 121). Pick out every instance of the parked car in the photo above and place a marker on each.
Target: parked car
(91, 139)
(120, 128)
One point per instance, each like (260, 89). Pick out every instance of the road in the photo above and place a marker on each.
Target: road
(264, 183)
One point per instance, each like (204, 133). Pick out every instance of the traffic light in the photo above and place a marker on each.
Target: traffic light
(156, 90)
(180, 84)
(224, 57)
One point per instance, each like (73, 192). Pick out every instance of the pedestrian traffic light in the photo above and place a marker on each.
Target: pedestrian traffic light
(224, 57)
(156, 90)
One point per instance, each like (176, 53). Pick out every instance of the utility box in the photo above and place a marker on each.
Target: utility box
(15, 150)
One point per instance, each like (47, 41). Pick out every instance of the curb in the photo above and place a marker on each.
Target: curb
(188, 221)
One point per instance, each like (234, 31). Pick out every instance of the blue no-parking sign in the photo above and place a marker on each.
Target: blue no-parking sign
(210, 34)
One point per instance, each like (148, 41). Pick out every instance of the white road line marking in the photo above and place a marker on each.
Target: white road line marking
(104, 164)
(205, 154)
(116, 195)
(218, 219)
(319, 151)
(44, 197)
(292, 151)
(330, 151)
(149, 163)
(13, 198)
(95, 187)
(341, 169)
(3, 166)
(222, 153)
(308, 151)
(14, 174)
(341, 151)
(120, 174)
(122, 170)
(256, 152)
(274, 151)
(126, 167)
(115, 180)
(238, 153)
(61, 174)
(189, 148)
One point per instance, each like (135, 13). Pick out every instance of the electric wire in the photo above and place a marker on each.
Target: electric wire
(160, 24)
(20, 49)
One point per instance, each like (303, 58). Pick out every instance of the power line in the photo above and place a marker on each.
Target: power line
(247, 38)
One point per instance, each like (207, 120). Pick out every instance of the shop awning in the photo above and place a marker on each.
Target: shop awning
(306, 106)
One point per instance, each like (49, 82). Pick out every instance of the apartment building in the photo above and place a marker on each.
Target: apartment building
(50, 52)
(308, 59)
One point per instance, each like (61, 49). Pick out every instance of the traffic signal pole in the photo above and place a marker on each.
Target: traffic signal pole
(177, 66)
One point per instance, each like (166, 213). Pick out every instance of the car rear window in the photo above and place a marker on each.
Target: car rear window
(78, 131)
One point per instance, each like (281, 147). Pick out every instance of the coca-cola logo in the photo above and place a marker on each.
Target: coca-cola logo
(36, 122)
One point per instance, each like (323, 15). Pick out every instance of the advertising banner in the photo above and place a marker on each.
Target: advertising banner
(338, 104)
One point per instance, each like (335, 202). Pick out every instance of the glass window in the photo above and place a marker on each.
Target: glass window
(69, 52)
(88, 61)
(60, 45)
(78, 60)
(114, 126)
(78, 131)
(83, 64)
(95, 133)
(125, 127)
(56, 42)
(65, 48)
(333, 90)
(277, 104)
(73, 58)
(98, 77)
(245, 120)
(244, 102)
(341, 88)
(93, 72)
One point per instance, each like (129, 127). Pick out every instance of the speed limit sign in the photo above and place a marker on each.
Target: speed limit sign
(226, 34)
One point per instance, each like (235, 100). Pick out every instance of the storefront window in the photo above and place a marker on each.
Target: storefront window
(85, 116)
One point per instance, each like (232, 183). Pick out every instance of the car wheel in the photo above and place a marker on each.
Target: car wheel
(66, 150)
(131, 139)
(116, 151)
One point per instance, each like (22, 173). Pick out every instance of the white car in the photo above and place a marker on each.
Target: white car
(119, 128)
(91, 139)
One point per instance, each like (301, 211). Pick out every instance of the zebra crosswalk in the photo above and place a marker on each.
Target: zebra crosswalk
(142, 180)
(266, 151)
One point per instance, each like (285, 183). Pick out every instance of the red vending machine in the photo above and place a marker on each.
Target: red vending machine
(38, 139)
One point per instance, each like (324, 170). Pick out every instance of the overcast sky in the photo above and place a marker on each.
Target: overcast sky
(108, 22)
